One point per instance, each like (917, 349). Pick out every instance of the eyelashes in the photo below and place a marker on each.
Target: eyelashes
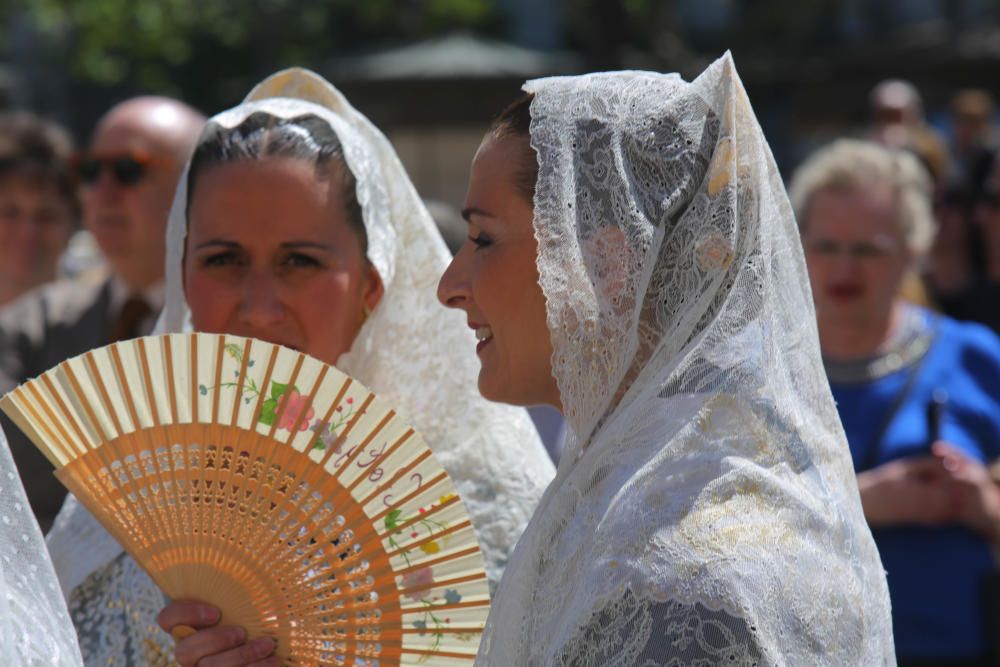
(231, 258)
(481, 241)
(220, 259)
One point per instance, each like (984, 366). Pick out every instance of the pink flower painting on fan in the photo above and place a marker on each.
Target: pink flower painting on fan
(422, 579)
(291, 405)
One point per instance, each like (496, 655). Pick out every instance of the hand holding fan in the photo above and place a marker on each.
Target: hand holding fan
(272, 486)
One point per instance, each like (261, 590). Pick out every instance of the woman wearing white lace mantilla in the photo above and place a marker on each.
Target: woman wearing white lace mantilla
(704, 511)
(296, 223)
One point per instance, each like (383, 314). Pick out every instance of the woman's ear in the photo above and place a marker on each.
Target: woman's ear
(374, 288)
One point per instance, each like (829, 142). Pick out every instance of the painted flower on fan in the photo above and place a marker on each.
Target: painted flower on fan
(431, 547)
(292, 405)
(422, 578)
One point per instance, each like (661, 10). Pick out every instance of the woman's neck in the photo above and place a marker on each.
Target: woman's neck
(848, 342)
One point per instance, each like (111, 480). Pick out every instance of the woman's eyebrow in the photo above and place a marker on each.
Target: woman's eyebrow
(298, 245)
(217, 242)
(472, 210)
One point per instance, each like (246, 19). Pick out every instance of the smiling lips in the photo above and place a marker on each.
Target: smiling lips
(484, 335)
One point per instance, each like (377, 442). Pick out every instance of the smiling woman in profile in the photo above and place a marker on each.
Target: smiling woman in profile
(633, 260)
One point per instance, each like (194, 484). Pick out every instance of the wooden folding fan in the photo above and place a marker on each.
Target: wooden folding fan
(272, 486)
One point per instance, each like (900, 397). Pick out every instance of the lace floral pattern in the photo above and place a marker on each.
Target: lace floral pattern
(705, 509)
(35, 630)
(114, 612)
(416, 355)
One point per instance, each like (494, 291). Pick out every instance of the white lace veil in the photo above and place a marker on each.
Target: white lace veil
(35, 630)
(705, 509)
(414, 353)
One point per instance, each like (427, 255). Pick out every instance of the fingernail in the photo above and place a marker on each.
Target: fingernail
(237, 635)
(262, 646)
(208, 614)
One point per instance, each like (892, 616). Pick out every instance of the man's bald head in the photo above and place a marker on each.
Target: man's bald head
(128, 219)
(168, 125)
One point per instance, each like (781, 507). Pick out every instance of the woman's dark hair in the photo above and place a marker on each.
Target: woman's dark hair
(515, 121)
(308, 138)
(40, 151)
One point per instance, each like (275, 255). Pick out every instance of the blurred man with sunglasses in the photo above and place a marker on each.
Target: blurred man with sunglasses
(128, 177)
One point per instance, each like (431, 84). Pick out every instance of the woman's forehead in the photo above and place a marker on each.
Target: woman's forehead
(271, 196)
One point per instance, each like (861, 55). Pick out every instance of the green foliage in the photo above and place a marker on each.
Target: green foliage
(192, 48)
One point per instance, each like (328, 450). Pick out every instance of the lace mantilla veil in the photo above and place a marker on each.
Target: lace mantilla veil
(35, 630)
(414, 353)
(705, 509)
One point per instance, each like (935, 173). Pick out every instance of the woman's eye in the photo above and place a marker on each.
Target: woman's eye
(297, 259)
(221, 259)
(481, 240)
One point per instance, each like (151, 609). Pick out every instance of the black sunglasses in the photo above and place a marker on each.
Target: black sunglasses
(126, 168)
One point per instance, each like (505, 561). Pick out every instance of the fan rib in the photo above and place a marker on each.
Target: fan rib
(411, 495)
(443, 583)
(27, 417)
(342, 438)
(159, 516)
(124, 453)
(171, 383)
(450, 606)
(216, 394)
(283, 405)
(102, 391)
(431, 512)
(272, 360)
(119, 369)
(438, 653)
(241, 382)
(310, 400)
(419, 543)
(325, 422)
(88, 412)
(384, 456)
(454, 555)
(147, 381)
(258, 408)
(358, 449)
(193, 355)
(242, 444)
(395, 478)
(82, 439)
(70, 448)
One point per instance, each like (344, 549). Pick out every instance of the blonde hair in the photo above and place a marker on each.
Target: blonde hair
(849, 165)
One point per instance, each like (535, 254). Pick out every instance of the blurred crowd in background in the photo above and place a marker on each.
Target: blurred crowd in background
(897, 193)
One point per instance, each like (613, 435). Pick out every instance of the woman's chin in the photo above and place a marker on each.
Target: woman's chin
(498, 392)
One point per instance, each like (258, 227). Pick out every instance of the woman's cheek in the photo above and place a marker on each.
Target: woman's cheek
(208, 300)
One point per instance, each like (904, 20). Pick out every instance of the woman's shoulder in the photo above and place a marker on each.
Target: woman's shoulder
(974, 341)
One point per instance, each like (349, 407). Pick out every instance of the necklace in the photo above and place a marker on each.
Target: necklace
(906, 347)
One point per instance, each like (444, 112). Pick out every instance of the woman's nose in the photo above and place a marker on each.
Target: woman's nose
(261, 304)
(453, 289)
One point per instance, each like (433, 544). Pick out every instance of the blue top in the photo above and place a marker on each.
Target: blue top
(935, 574)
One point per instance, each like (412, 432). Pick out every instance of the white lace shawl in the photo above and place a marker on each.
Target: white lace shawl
(705, 510)
(414, 353)
(35, 630)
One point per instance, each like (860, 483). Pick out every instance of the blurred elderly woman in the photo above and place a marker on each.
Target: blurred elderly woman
(918, 393)
(39, 209)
